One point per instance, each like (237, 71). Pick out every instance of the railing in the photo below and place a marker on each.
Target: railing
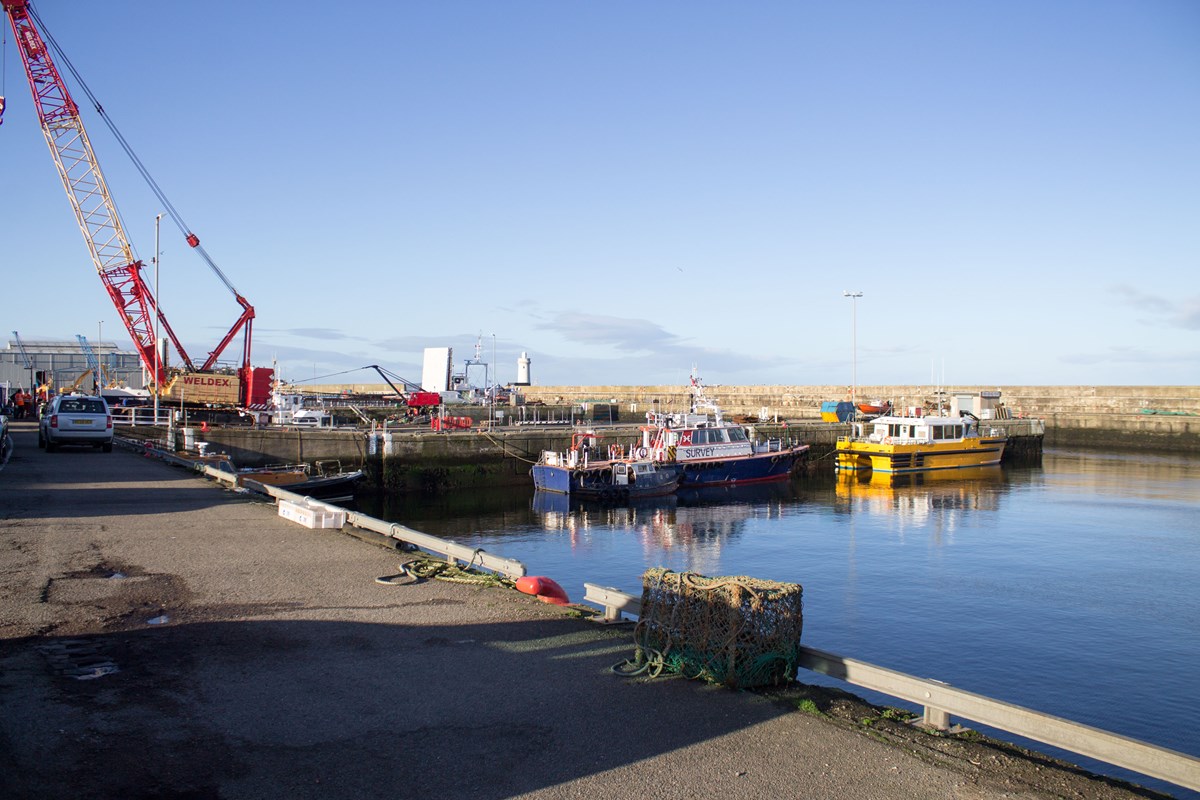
(941, 701)
(140, 415)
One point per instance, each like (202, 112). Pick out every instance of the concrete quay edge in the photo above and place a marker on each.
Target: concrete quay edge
(251, 657)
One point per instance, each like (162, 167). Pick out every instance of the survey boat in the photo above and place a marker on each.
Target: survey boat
(712, 450)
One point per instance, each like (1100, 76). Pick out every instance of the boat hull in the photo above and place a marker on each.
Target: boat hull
(329, 487)
(739, 470)
(597, 481)
(853, 455)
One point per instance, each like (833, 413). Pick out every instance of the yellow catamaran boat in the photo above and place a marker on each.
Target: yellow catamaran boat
(897, 444)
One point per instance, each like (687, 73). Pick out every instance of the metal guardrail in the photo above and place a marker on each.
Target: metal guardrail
(454, 552)
(139, 415)
(941, 701)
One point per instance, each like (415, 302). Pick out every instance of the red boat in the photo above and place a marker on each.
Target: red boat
(875, 407)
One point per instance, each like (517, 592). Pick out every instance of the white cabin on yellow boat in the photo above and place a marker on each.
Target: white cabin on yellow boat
(915, 444)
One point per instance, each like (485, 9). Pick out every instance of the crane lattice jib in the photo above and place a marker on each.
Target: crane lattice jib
(93, 361)
(21, 349)
(88, 192)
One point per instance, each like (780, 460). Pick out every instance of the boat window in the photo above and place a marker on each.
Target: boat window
(737, 435)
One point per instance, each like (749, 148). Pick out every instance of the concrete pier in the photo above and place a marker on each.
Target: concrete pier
(162, 637)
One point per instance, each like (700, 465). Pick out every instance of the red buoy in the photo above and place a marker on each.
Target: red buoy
(544, 588)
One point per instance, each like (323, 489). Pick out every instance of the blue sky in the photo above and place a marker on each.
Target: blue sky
(624, 190)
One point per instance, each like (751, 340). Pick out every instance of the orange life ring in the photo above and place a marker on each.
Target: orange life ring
(544, 588)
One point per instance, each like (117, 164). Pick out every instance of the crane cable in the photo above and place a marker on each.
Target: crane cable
(175, 216)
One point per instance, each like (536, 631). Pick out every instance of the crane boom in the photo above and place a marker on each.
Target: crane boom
(87, 190)
(97, 215)
(21, 349)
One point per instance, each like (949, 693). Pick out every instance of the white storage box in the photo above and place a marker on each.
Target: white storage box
(312, 516)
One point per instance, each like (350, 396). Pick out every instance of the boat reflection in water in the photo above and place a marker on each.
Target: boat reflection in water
(689, 527)
(916, 499)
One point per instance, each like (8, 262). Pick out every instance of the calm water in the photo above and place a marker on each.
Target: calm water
(1072, 588)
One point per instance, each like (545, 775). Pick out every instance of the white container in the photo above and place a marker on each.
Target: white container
(312, 516)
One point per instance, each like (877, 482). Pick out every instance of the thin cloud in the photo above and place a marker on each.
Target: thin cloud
(318, 333)
(1189, 316)
(1136, 298)
(1182, 314)
(646, 353)
(1130, 355)
(628, 335)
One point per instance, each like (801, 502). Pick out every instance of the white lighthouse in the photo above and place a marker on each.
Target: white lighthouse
(522, 370)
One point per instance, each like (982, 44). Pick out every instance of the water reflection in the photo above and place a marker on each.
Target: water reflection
(1146, 476)
(940, 499)
(695, 524)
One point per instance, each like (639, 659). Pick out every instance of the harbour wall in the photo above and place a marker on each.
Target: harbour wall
(411, 459)
(1123, 417)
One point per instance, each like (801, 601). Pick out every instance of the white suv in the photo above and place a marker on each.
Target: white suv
(76, 419)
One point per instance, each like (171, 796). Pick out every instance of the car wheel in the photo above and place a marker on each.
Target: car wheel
(41, 440)
(107, 447)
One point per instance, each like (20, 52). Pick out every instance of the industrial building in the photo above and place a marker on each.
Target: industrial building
(64, 365)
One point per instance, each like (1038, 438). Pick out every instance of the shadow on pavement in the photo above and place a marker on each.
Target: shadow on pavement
(332, 709)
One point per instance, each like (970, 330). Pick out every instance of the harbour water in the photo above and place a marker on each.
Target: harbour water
(1072, 587)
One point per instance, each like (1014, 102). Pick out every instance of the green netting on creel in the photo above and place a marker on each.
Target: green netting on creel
(738, 631)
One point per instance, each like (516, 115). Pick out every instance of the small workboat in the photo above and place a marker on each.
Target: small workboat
(606, 480)
(330, 482)
(897, 444)
(576, 474)
(875, 407)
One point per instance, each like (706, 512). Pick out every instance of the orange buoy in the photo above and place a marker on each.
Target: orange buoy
(544, 588)
(204, 427)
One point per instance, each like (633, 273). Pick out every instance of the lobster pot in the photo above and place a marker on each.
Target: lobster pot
(737, 631)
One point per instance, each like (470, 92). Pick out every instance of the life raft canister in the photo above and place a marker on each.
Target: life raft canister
(544, 588)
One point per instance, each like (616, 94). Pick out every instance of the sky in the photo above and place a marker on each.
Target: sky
(627, 190)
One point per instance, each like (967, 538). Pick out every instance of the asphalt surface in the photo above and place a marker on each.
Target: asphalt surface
(163, 637)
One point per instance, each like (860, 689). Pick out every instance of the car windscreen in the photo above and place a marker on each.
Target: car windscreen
(82, 405)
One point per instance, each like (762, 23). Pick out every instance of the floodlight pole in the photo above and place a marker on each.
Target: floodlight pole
(854, 346)
(157, 356)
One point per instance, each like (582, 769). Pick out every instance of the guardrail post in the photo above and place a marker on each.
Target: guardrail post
(614, 602)
(936, 718)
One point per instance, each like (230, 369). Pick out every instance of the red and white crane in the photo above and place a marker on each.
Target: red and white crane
(97, 217)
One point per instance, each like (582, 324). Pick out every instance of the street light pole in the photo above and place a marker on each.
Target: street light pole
(99, 369)
(157, 364)
(854, 339)
(492, 411)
